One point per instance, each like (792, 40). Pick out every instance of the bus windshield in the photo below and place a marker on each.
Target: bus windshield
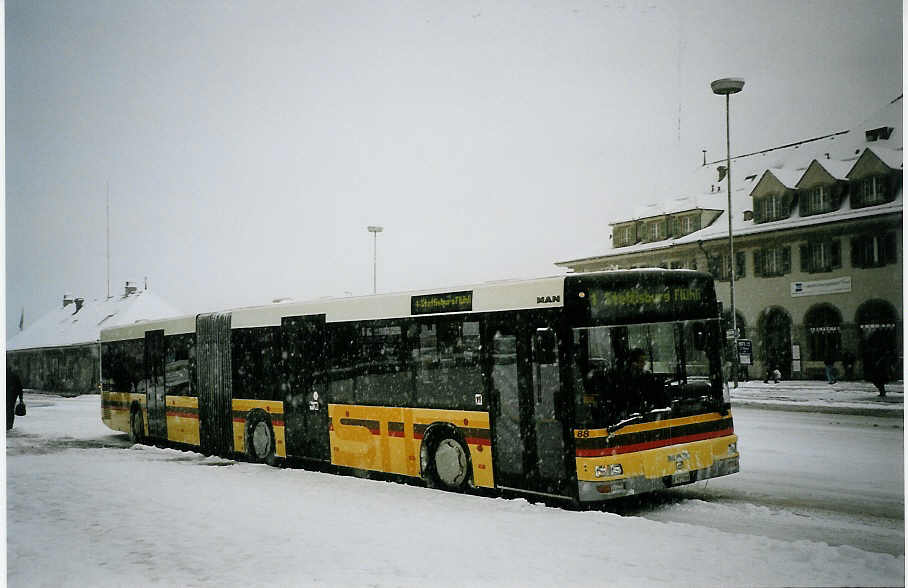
(645, 371)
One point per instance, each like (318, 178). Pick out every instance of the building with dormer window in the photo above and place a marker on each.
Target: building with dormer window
(818, 246)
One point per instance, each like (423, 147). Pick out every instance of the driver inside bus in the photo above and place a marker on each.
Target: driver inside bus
(642, 384)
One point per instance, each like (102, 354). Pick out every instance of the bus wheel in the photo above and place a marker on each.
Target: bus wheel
(136, 426)
(259, 438)
(450, 464)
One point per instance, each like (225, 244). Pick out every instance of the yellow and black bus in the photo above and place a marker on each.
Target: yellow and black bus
(583, 387)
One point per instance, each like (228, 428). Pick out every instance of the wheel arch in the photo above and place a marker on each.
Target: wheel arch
(435, 433)
(253, 417)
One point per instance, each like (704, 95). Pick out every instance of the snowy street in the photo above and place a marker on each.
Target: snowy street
(819, 501)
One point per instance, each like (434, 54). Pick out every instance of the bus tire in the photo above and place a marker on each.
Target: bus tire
(446, 462)
(136, 425)
(259, 437)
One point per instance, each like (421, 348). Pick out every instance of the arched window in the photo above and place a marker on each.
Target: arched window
(774, 328)
(877, 322)
(824, 334)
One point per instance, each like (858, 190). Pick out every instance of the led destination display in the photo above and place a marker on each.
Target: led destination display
(444, 302)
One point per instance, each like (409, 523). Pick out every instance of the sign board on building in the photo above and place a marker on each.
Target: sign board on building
(745, 352)
(821, 287)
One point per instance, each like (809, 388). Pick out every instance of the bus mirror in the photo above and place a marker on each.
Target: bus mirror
(545, 347)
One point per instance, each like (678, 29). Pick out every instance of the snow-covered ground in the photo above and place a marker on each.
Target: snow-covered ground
(818, 396)
(84, 507)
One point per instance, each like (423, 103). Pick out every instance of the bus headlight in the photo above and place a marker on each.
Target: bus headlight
(732, 448)
(604, 471)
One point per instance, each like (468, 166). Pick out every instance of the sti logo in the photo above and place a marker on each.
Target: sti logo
(547, 299)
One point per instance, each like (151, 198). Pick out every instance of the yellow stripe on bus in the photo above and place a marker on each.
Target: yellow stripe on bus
(389, 439)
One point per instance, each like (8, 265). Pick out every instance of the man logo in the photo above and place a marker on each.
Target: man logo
(547, 299)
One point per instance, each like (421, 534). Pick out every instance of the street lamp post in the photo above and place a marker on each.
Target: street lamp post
(375, 230)
(726, 87)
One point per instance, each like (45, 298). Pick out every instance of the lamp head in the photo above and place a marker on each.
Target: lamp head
(727, 86)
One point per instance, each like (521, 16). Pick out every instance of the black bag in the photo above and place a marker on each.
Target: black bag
(20, 409)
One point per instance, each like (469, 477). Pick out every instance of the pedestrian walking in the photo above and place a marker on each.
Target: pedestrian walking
(13, 393)
(879, 372)
(829, 361)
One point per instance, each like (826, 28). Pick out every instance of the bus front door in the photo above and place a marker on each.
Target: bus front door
(527, 410)
(154, 384)
(303, 341)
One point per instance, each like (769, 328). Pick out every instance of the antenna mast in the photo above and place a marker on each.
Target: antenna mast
(108, 239)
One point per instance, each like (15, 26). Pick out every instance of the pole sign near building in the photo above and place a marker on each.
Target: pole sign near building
(745, 352)
(821, 287)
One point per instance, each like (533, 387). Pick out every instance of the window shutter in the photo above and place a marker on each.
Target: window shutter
(713, 264)
(758, 210)
(758, 262)
(674, 227)
(803, 203)
(740, 265)
(890, 248)
(786, 260)
(838, 190)
(805, 258)
(857, 249)
(786, 205)
(835, 249)
(696, 222)
(892, 186)
(663, 229)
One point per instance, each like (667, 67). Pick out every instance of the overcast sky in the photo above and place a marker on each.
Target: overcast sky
(247, 145)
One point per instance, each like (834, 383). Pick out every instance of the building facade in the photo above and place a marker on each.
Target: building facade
(818, 249)
(59, 352)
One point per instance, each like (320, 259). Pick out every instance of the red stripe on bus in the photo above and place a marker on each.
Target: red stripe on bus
(479, 441)
(653, 444)
(274, 422)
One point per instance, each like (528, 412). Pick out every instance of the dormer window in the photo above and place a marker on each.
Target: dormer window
(772, 207)
(820, 199)
(654, 232)
(624, 236)
(687, 224)
(881, 133)
(872, 190)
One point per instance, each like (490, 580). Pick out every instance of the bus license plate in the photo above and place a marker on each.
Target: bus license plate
(682, 478)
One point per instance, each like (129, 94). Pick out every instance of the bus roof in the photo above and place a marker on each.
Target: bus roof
(547, 292)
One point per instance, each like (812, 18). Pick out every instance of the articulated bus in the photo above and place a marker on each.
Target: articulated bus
(583, 387)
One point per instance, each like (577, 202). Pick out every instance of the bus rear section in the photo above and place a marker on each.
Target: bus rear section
(651, 407)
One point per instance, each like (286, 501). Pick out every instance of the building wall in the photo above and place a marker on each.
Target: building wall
(72, 369)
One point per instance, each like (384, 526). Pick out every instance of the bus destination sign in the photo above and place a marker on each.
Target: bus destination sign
(445, 302)
(614, 303)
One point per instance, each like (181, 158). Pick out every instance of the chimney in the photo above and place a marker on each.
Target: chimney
(130, 289)
(79, 302)
(67, 300)
(704, 157)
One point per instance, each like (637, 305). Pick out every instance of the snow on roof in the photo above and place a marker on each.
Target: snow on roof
(891, 157)
(837, 169)
(64, 326)
(677, 204)
(788, 177)
(836, 152)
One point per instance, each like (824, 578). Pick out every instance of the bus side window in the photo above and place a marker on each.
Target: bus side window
(343, 347)
(448, 367)
(385, 378)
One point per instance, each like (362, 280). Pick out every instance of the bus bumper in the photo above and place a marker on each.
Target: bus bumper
(606, 490)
